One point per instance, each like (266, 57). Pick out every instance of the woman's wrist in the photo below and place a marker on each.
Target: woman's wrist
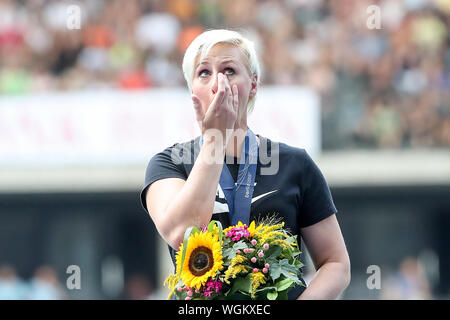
(328, 283)
(213, 148)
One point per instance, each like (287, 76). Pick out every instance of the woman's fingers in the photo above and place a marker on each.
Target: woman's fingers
(235, 98)
(221, 113)
(220, 95)
(224, 97)
(228, 95)
(199, 114)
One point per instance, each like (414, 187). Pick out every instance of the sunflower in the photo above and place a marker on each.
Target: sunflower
(202, 260)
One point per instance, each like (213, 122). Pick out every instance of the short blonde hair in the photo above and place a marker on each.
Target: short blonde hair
(201, 46)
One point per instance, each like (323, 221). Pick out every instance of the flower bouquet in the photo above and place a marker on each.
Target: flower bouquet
(257, 262)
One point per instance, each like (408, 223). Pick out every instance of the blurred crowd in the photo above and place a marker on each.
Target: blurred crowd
(408, 282)
(380, 88)
(44, 285)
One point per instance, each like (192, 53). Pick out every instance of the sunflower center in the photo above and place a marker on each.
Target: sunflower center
(201, 261)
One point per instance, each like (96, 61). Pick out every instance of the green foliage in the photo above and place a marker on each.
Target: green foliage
(282, 267)
(230, 253)
(241, 284)
(272, 295)
(219, 226)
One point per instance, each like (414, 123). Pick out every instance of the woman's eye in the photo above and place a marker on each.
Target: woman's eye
(229, 71)
(203, 73)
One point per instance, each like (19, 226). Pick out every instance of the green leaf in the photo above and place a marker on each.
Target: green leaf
(282, 295)
(292, 239)
(219, 225)
(271, 288)
(272, 295)
(273, 252)
(240, 245)
(275, 270)
(283, 267)
(284, 284)
(242, 284)
(194, 230)
(229, 253)
(187, 234)
(238, 296)
(298, 263)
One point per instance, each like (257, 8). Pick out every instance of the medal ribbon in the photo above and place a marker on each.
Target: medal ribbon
(239, 194)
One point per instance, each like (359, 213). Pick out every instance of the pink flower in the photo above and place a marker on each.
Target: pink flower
(212, 286)
(237, 233)
(255, 270)
(253, 259)
(187, 298)
(267, 265)
(254, 242)
(260, 254)
(266, 246)
(265, 270)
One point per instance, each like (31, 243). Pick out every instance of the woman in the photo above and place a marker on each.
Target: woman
(222, 72)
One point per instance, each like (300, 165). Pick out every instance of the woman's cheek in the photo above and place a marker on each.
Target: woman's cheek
(243, 95)
(204, 97)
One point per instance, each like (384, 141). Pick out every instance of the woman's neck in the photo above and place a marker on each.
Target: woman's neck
(236, 142)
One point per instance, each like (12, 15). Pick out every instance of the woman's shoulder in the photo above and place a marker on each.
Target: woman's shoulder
(179, 153)
(184, 145)
(282, 149)
(181, 146)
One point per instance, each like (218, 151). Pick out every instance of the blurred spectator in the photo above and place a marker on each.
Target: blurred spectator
(380, 88)
(408, 283)
(45, 285)
(158, 31)
(139, 287)
(11, 286)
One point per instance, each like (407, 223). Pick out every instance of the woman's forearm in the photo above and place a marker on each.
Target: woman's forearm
(328, 283)
(194, 205)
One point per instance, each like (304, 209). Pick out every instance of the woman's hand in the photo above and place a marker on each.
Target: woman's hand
(191, 202)
(221, 114)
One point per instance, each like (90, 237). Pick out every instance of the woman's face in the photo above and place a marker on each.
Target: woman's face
(230, 61)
